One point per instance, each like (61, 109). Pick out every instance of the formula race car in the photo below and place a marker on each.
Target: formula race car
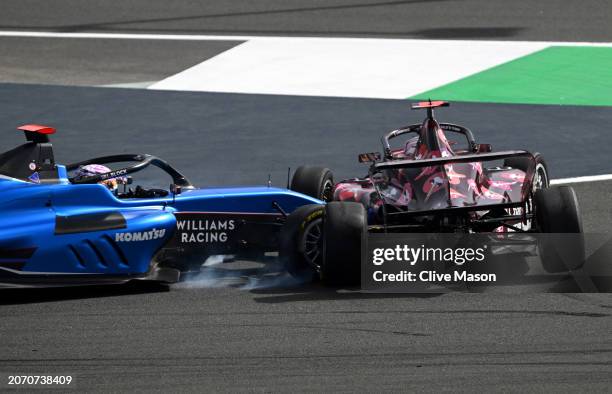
(60, 229)
(428, 183)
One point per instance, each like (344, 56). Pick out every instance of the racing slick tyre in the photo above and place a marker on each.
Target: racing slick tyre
(541, 179)
(345, 229)
(557, 212)
(300, 243)
(317, 182)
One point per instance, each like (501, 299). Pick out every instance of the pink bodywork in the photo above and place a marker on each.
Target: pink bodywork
(434, 187)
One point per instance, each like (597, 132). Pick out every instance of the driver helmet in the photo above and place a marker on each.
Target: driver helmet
(96, 169)
(410, 147)
(381, 179)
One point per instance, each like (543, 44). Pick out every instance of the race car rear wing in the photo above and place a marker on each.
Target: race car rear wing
(37, 133)
(394, 219)
(34, 160)
(438, 161)
(468, 158)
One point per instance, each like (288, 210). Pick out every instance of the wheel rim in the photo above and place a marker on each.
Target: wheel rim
(312, 243)
(540, 181)
(540, 178)
(327, 191)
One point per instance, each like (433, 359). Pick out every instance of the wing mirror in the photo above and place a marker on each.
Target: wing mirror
(483, 148)
(369, 157)
(125, 181)
(176, 189)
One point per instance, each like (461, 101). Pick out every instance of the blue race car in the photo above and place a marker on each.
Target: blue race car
(58, 229)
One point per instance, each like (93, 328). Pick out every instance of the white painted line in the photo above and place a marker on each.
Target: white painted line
(204, 37)
(380, 68)
(122, 36)
(131, 85)
(582, 179)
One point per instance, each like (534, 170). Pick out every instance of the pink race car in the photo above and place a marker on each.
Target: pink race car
(438, 179)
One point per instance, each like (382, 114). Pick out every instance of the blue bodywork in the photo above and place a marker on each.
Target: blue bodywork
(59, 233)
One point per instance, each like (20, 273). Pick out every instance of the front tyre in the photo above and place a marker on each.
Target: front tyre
(557, 212)
(313, 181)
(300, 243)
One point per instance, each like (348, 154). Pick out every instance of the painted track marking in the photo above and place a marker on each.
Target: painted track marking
(582, 179)
(204, 37)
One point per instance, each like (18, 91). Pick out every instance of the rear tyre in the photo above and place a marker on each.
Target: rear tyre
(317, 182)
(344, 233)
(300, 243)
(541, 179)
(557, 212)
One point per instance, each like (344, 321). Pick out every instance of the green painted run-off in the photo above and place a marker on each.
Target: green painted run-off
(555, 75)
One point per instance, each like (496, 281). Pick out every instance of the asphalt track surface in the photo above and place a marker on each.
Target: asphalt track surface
(201, 133)
(548, 20)
(252, 330)
(243, 327)
(140, 62)
(310, 339)
(67, 61)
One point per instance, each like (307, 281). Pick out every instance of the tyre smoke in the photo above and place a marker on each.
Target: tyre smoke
(224, 271)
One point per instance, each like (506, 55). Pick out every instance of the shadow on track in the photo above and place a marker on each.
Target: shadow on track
(32, 295)
(114, 25)
(318, 292)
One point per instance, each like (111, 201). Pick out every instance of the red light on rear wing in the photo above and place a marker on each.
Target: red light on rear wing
(430, 104)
